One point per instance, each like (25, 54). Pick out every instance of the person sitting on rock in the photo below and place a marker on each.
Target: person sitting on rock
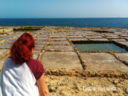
(21, 75)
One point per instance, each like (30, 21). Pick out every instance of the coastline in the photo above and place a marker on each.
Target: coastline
(70, 72)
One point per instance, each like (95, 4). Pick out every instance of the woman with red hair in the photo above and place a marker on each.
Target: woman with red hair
(21, 75)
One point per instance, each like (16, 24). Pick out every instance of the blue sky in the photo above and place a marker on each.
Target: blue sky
(63, 8)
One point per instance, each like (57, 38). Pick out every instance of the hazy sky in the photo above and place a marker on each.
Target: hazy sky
(63, 8)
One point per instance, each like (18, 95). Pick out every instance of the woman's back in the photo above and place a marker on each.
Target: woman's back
(17, 80)
(22, 75)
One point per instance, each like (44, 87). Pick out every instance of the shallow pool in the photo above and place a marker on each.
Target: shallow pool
(99, 46)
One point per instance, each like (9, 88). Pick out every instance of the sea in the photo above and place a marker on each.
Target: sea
(69, 22)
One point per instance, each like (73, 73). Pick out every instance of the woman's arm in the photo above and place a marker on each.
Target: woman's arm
(42, 87)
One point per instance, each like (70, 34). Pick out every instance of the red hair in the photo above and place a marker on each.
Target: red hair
(21, 50)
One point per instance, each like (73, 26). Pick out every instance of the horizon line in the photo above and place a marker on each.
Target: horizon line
(57, 17)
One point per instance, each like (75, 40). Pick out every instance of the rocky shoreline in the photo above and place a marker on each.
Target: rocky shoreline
(70, 72)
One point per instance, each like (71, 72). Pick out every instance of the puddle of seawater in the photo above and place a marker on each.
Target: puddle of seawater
(99, 46)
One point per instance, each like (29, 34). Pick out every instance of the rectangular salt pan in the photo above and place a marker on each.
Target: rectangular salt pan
(99, 46)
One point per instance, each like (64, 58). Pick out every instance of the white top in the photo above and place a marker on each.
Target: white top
(17, 80)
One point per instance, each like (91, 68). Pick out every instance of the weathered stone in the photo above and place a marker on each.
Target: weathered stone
(124, 43)
(59, 43)
(102, 39)
(64, 48)
(58, 35)
(36, 54)
(40, 42)
(75, 36)
(115, 81)
(78, 86)
(59, 38)
(41, 39)
(39, 46)
(5, 46)
(126, 90)
(3, 52)
(2, 41)
(93, 37)
(102, 62)
(52, 88)
(61, 60)
(122, 56)
(3, 55)
(9, 41)
(78, 39)
(124, 35)
(111, 37)
(119, 40)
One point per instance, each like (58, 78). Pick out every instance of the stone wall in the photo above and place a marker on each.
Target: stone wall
(6, 30)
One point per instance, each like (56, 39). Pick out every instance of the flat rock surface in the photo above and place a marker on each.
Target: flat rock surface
(5, 46)
(102, 39)
(103, 62)
(64, 48)
(79, 86)
(59, 43)
(58, 38)
(60, 60)
(122, 56)
(39, 47)
(93, 37)
(3, 53)
(78, 39)
(2, 60)
(36, 54)
(124, 43)
(119, 40)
